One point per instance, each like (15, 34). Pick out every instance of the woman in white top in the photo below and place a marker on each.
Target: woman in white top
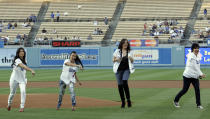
(123, 66)
(18, 77)
(68, 78)
(192, 74)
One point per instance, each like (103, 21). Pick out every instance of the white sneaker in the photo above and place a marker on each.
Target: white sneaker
(200, 107)
(176, 104)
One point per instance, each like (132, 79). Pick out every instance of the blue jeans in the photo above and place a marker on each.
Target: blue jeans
(62, 87)
(122, 75)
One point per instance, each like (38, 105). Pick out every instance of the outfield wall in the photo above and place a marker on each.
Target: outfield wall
(97, 57)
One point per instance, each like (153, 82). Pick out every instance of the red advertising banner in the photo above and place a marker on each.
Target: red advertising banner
(72, 43)
(143, 43)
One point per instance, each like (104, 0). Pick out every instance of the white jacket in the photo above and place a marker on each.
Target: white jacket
(192, 69)
(117, 64)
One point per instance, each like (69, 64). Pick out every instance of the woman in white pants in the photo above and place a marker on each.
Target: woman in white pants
(18, 77)
(68, 78)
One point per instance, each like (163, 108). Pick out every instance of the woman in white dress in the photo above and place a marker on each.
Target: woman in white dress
(68, 78)
(18, 77)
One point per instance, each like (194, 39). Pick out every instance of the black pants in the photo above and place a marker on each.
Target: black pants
(186, 85)
(124, 89)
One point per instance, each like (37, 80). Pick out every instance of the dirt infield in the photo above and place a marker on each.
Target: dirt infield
(50, 100)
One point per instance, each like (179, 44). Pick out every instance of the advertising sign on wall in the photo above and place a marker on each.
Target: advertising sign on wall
(152, 56)
(55, 57)
(143, 43)
(6, 57)
(204, 54)
(72, 43)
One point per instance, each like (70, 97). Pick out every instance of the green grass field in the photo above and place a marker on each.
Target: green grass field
(148, 103)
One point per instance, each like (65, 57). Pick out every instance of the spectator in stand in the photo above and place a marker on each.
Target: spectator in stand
(17, 41)
(26, 24)
(45, 38)
(106, 21)
(18, 36)
(31, 18)
(34, 19)
(52, 16)
(24, 37)
(9, 26)
(57, 16)
(73, 38)
(89, 37)
(44, 31)
(1, 27)
(205, 12)
(201, 35)
(65, 38)
(6, 40)
(54, 31)
(95, 32)
(145, 28)
(15, 24)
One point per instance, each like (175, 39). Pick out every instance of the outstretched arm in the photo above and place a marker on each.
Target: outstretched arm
(73, 65)
(27, 68)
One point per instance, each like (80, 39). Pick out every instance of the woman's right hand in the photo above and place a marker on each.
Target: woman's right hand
(33, 72)
(117, 60)
(80, 67)
(202, 76)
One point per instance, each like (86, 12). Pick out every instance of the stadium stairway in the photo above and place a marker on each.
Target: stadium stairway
(115, 19)
(35, 28)
(191, 22)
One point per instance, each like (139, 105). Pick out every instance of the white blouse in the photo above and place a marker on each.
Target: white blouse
(192, 69)
(18, 73)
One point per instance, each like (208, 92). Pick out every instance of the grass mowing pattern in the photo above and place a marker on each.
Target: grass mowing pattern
(148, 103)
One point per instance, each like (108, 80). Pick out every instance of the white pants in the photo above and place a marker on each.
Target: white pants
(13, 88)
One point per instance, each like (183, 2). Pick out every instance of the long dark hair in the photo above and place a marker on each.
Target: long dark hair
(77, 60)
(121, 44)
(17, 56)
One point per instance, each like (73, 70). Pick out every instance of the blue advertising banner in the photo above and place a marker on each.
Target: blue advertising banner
(54, 57)
(7, 56)
(152, 56)
(204, 54)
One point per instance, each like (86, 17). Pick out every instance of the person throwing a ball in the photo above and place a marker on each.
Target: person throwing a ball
(68, 78)
(18, 77)
(192, 74)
